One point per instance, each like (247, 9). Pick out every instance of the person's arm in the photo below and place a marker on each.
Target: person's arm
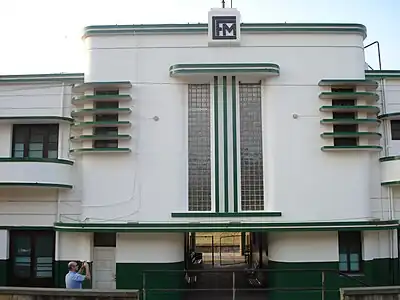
(87, 269)
(82, 268)
(78, 277)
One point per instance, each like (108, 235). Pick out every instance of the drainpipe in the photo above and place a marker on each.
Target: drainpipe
(61, 150)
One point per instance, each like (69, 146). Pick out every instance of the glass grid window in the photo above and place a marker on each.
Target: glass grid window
(35, 141)
(350, 256)
(199, 147)
(251, 154)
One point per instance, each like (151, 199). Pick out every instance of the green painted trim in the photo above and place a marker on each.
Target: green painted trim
(35, 184)
(40, 160)
(35, 118)
(389, 158)
(42, 228)
(107, 123)
(82, 150)
(226, 160)
(216, 144)
(212, 68)
(349, 82)
(223, 71)
(103, 84)
(366, 147)
(380, 74)
(349, 108)
(100, 110)
(102, 137)
(235, 150)
(348, 95)
(226, 227)
(244, 27)
(349, 121)
(395, 115)
(83, 98)
(388, 183)
(226, 214)
(33, 78)
(350, 134)
(224, 65)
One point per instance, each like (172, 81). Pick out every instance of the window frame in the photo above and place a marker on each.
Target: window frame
(27, 129)
(347, 242)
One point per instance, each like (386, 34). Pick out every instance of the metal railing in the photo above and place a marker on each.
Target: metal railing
(240, 284)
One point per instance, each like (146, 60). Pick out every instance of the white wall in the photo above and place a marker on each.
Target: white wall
(74, 246)
(150, 247)
(392, 98)
(301, 246)
(158, 163)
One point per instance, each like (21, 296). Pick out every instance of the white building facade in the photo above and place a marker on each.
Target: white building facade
(221, 127)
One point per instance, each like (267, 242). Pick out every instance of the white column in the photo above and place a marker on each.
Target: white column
(4, 245)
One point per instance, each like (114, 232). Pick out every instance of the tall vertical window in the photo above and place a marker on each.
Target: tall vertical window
(35, 141)
(199, 147)
(251, 154)
(350, 257)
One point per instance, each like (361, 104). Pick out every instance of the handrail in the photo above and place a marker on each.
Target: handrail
(234, 289)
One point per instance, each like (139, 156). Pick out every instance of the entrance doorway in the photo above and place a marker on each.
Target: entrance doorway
(104, 260)
(32, 257)
(218, 263)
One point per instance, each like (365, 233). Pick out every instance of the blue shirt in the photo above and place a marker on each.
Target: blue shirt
(74, 280)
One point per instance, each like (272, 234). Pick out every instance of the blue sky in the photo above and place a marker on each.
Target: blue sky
(43, 36)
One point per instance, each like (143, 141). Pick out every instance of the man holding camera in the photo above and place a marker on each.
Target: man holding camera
(74, 278)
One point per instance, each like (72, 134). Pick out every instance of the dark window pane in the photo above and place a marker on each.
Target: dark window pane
(343, 90)
(107, 104)
(44, 256)
(36, 140)
(395, 129)
(106, 92)
(104, 239)
(350, 251)
(343, 102)
(345, 141)
(106, 131)
(344, 115)
(22, 260)
(100, 118)
(345, 128)
(105, 144)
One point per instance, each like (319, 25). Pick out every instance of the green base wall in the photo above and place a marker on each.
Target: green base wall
(3, 272)
(161, 276)
(61, 269)
(302, 277)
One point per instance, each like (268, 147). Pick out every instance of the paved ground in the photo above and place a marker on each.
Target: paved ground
(223, 280)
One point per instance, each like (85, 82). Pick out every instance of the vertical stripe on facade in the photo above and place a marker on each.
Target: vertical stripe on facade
(235, 155)
(199, 147)
(216, 145)
(251, 154)
(226, 158)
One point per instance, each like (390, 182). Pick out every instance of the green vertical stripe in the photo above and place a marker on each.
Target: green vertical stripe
(226, 169)
(216, 145)
(235, 155)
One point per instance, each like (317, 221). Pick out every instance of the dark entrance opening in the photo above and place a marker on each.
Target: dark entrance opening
(222, 264)
(32, 258)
